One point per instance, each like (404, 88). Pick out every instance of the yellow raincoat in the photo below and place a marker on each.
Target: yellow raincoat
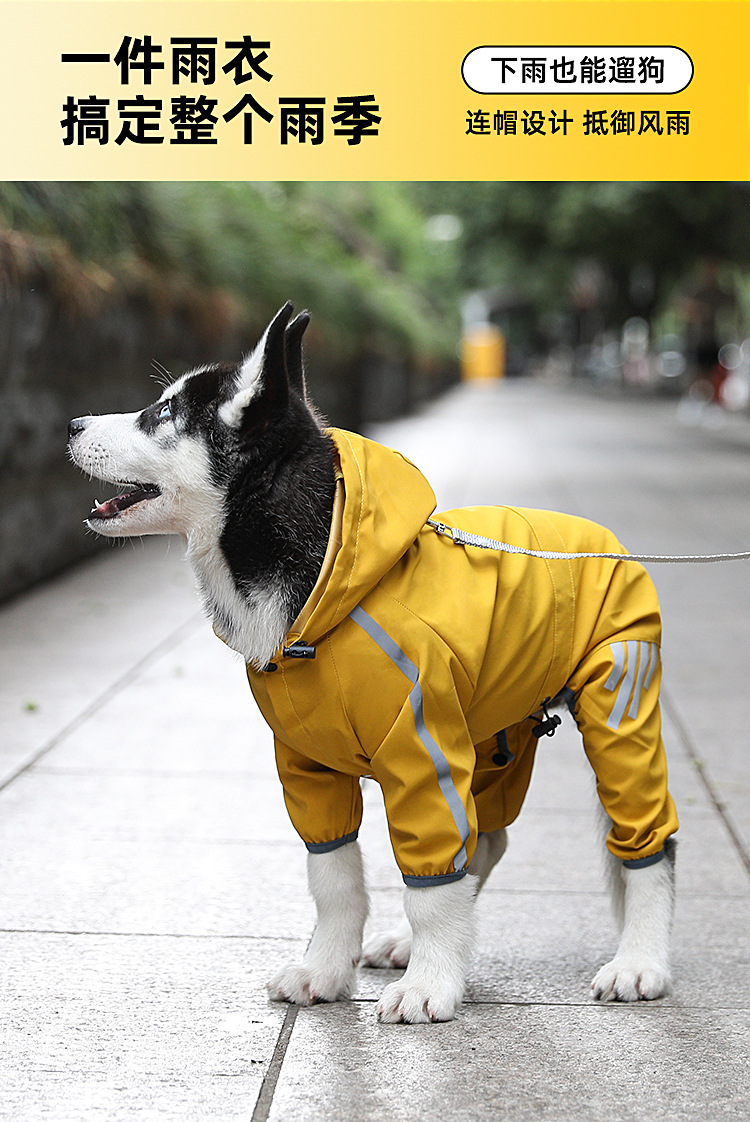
(430, 659)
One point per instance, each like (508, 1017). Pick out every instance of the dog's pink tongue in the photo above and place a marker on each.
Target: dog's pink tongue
(106, 510)
(115, 505)
(121, 502)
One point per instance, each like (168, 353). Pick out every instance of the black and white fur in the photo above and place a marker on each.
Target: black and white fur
(235, 460)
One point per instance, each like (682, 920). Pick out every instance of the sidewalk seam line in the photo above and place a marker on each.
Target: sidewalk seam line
(148, 934)
(166, 644)
(271, 1078)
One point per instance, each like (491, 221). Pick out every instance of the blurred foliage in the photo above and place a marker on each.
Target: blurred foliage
(361, 257)
(356, 254)
(535, 236)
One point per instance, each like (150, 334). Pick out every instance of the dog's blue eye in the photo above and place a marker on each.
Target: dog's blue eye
(165, 412)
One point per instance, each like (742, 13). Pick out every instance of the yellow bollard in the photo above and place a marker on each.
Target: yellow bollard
(482, 353)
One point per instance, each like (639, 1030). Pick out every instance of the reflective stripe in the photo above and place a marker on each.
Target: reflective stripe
(642, 658)
(623, 695)
(384, 641)
(643, 665)
(445, 779)
(618, 657)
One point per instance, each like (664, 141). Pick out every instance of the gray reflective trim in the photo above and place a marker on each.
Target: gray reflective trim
(445, 779)
(328, 847)
(442, 769)
(653, 665)
(427, 882)
(623, 696)
(644, 862)
(644, 650)
(618, 655)
(384, 641)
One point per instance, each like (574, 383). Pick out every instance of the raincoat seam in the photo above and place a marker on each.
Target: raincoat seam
(568, 655)
(296, 714)
(355, 786)
(359, 521)
(539, 542)
(573, 608)
(342, 692)
(435, 634)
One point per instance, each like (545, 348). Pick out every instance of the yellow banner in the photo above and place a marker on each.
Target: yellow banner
(372, 89)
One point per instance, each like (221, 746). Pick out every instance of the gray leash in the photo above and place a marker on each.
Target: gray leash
(462, 537)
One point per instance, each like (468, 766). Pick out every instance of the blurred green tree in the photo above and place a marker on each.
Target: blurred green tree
(640, 236)
(355, 253)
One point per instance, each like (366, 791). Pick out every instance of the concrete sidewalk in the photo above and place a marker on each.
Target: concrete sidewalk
(150, 882)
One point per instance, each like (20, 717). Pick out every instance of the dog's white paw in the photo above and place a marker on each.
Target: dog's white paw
(625, 979)
(388, 949)
(307, 985)
(417, 1003)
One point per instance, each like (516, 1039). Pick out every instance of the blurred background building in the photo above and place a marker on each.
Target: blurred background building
(635, 287)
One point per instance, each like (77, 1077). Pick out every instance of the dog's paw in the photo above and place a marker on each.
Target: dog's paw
(417, 1003)
(624, 979)
(388, 949)
(307, 985)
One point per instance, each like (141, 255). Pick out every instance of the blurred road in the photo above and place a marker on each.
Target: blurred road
(150, 881)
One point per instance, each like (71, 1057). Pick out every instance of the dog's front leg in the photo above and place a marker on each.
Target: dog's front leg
(640, 969)
(393, 948)
(337, 885)
(442, 921)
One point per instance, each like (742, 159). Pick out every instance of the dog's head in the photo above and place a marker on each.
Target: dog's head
(174, 460)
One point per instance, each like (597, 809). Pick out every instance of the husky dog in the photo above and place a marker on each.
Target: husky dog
(316, 562)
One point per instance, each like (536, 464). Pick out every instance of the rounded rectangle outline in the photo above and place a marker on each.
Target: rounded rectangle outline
(560, 89)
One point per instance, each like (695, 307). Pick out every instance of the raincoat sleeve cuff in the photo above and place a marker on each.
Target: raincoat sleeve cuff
(328, 847)
(644, 862)
(428, 882)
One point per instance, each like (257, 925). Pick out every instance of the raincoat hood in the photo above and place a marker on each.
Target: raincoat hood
(384, 503)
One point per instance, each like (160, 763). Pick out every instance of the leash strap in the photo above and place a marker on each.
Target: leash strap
(462, 537)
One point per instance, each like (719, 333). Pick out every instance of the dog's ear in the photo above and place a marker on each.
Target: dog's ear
(293, 350)
(262, 389)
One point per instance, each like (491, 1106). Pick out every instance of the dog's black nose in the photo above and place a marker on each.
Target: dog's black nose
(77, 425)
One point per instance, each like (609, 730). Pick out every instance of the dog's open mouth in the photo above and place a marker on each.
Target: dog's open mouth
(135, 493)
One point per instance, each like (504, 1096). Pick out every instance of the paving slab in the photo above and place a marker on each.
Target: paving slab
(168, 854)
(112, 1027)
(71, 641)
(518, 1063)
(546, 949)
(201, 717)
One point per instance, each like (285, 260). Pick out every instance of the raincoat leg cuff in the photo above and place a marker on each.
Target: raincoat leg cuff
(427, 882)
(328, 847)
(644, 862)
